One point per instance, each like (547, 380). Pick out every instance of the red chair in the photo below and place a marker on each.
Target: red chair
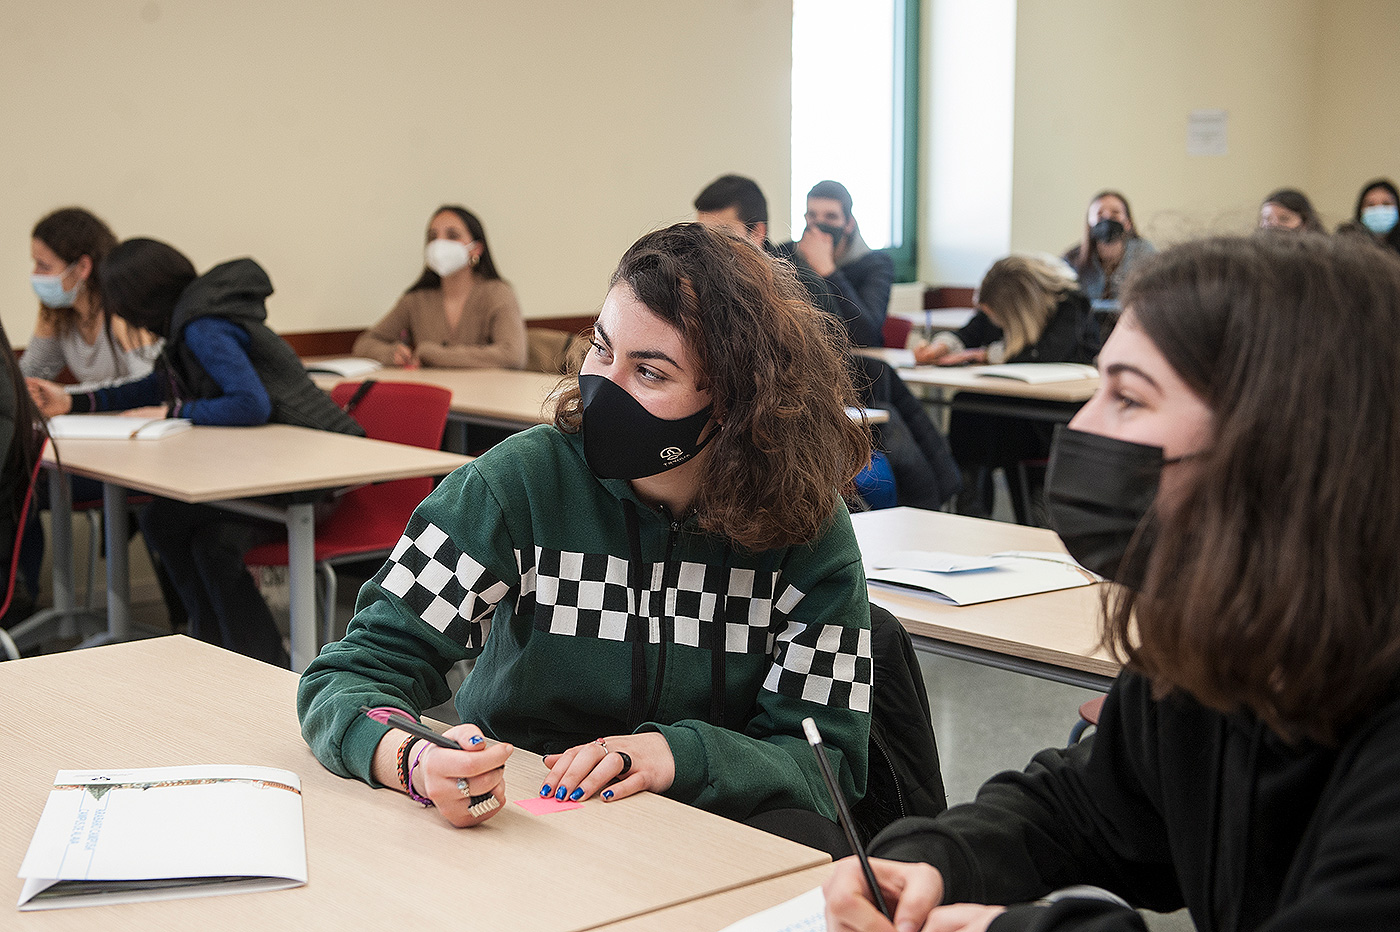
(370, 519)
(896, 331)
(1088, 715)
(7, 643)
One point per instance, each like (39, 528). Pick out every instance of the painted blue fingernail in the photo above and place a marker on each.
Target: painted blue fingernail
(607, 794)
(576, 795)
(563, 793)
(476, 739)
(546, 790)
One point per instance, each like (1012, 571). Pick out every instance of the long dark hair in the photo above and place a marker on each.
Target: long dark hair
(30, 431)
(142, 280)
(485, 265)
(778, 373)
(71, 233)
(1272, 585)
(1296, 201)
(1391, 239)
(1082, 256)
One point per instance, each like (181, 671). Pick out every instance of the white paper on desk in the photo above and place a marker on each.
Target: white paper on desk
(348, 367)
(970, 580)
(1038, 373)
(164, 833)
(114, 427)
(804, 913)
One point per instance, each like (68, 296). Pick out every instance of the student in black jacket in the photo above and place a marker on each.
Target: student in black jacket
(1239, 479)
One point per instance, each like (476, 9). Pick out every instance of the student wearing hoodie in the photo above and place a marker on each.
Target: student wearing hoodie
(657, 588)
(220, 366)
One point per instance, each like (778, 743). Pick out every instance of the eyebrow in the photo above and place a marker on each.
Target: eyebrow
(637, 354)
(1119, 368)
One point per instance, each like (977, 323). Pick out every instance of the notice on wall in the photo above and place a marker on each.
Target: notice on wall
(1206, 132)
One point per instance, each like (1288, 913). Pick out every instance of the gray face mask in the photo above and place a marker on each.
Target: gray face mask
(1106, 231)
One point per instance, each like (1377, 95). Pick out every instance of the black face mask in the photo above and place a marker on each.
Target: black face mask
(834, 232)
(623, 440)
(1098, 491)
(1106, 231)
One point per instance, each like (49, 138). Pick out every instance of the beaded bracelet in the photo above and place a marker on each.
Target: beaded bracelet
(404, 777)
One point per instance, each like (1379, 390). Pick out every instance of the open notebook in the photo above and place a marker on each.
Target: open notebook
(122, 836)
(114, 427)
(1037, 373)
(957, 579)
(348, 367)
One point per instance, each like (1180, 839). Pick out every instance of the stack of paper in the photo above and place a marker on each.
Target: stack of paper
(114, 427)
(962, 580)
(1038, 373)
(121, 836)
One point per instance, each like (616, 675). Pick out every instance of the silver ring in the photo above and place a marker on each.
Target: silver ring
(604, 746)
(464, 787)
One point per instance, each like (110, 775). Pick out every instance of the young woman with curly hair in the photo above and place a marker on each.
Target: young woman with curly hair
(1237, 476)
(658, 587)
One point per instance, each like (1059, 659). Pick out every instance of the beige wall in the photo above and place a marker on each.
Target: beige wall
(317, 135)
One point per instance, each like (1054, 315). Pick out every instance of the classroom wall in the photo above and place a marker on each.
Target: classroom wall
(317, 136)
(1103, 91)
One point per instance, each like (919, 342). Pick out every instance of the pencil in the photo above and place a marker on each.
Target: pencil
(843, 814)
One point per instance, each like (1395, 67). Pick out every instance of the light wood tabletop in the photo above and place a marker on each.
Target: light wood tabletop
(503, 396)
(718, 910)
(206, 464)
(1051, 634)
(375, 859)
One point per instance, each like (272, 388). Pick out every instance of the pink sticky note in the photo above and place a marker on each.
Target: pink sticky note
(537, 806)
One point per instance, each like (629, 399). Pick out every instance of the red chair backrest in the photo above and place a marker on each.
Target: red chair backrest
(896, 331)
(400, 412)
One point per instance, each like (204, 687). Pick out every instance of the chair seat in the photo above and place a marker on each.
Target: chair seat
(368, 520)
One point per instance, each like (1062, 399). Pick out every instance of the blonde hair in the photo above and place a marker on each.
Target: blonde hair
(1021, 292)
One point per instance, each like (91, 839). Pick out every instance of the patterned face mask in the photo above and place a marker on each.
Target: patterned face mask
(623, 440)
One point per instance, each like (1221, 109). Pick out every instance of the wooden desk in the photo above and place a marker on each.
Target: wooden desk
(722, 909)
(951, 385)
(224, 466)
(375, 859)
(1053, 635)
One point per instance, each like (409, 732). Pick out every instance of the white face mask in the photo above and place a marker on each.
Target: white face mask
(445, 256)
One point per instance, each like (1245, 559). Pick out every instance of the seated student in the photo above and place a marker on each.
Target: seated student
(1287, 209)
(831, 246)
(21, 442)
(1236, 471)
(1378, 213)
(1029, 310)
(221, 366)
(657, 588)
(1108, 247)
(73, 331)
(460, 313)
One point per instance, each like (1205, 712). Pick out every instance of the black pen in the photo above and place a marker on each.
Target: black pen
(404, 723)
(843, 814)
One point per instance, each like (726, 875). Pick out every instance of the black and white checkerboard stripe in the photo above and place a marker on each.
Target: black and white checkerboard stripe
(587, 595)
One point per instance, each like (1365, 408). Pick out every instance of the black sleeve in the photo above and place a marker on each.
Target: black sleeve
(1079, 815)
(979, 331)
(863, 293)
(1078, 914)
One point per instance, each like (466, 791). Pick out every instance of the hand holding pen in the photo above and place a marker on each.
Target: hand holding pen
(457, 771)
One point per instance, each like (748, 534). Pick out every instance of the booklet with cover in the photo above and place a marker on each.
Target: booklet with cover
(958, 579)
(114, 427)
(123, 836)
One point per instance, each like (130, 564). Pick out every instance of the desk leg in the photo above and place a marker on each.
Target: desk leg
(61, 548)
(301, 583)
(114, 515)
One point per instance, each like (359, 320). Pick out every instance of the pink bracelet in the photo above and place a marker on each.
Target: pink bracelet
(411, 793)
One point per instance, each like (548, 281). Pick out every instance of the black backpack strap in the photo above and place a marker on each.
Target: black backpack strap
(354, 401)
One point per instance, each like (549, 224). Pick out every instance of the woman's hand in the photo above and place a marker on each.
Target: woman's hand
(49, 397)
(911, 889)
(930, 353)
(428, 354)
(439, 770)
(967, 357)
(581, 771)
(403, 356)
(149, 411)
(962, 917)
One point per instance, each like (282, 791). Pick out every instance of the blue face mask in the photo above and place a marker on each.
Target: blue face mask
(51, 292)
(1380, 218)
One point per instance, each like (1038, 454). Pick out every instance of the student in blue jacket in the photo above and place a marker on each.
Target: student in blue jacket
(221, 366)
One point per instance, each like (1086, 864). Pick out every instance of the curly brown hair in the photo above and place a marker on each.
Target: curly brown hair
(1272, 586)
(778, 371)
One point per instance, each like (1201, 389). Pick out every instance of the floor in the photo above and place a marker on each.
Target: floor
(986, 720)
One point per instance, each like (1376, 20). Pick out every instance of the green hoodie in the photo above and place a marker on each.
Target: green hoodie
(529, 563)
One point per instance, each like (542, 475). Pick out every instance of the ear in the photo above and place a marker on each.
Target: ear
(83, 267)
(759, 233)
(850, 226)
